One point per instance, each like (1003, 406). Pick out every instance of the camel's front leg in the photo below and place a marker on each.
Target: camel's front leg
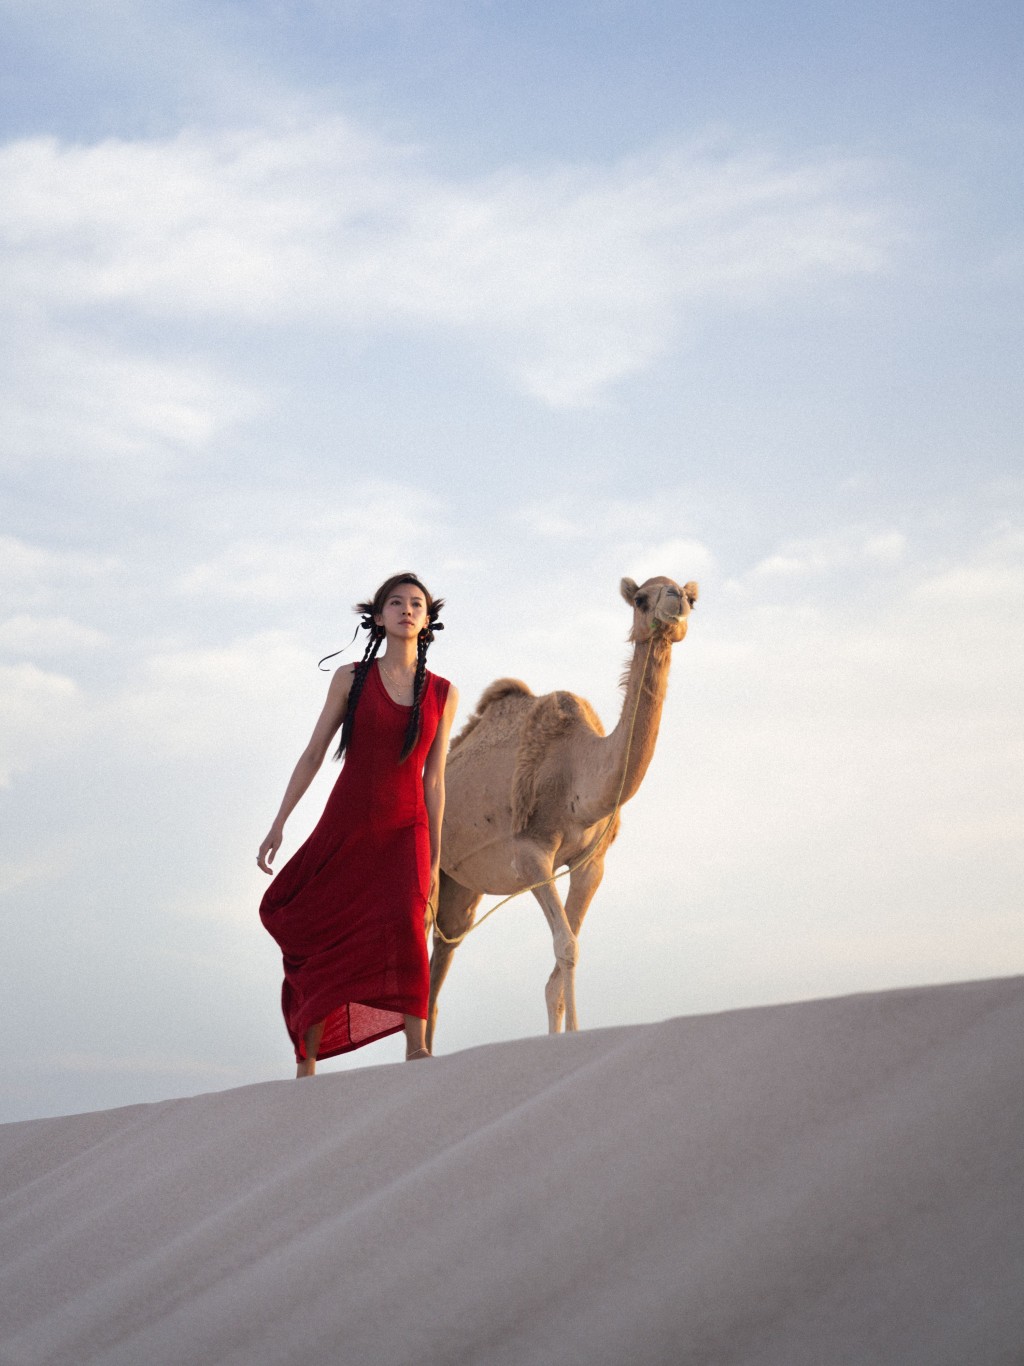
(560, 993)
(582, 886)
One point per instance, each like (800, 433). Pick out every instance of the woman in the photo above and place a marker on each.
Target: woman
(349, 908)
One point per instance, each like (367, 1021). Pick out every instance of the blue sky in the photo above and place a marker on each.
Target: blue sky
(526, 298)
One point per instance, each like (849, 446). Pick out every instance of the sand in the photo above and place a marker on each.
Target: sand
(831, 1182)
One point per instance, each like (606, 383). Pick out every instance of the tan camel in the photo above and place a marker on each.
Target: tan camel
(533, 785)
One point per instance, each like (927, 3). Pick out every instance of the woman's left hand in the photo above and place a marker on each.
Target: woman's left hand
(435, 884)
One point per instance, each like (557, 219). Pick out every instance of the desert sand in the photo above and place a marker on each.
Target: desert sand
(837, 1181)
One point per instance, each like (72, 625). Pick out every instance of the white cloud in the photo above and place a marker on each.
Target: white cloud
(968, 587)
(843, 548)
(550, 523)
(575, 276)
(83, 398)
(680, 558)
(380, 526)
(886, 547)
(631, 534)
(882, 727)
(195, 704)
(44, 867)
(39, 713)
(32, 576)
(35, 636)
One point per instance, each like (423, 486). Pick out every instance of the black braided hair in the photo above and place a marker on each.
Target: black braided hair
(369, 612)
(359, 676)
(412, 730)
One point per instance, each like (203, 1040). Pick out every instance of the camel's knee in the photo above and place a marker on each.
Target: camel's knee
(567, 951)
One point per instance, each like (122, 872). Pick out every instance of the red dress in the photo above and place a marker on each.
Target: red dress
(348, 907)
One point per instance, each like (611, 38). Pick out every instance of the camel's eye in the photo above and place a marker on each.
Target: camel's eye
(641, 600)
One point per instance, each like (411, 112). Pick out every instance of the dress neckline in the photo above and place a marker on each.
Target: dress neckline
(401, 706)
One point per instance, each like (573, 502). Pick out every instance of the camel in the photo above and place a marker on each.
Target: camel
(534, 785)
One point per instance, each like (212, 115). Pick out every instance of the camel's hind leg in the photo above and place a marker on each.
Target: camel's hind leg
(583, 884)
(456, 909)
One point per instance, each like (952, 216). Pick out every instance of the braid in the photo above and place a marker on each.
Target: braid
(412, 733)
(359, 677)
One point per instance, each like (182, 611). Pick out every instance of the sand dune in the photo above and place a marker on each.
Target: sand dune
(832, 1182)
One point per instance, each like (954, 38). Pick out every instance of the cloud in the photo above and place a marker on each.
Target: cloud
(40, 712)
(846, 548)
(630, 531)
(551, 523)
(572, 277)
(380, 526)
(87, 399)
(34, 636)
(886, 547)
(45, 866)
(681, 558)
(193, 703)
(888, 716)
(33, 576)
(969, 587)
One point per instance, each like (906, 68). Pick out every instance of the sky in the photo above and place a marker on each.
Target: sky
(525, 298)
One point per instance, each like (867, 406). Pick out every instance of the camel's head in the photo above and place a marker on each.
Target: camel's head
(660, 608)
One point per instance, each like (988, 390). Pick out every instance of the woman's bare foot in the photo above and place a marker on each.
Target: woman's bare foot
(311, 1047)
(415, 1038)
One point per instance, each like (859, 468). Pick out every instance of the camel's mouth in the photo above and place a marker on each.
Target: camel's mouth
(676, 604)
(672, 615)
(670, 628)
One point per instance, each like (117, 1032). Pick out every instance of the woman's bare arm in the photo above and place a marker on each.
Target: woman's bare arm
(312, 757)
(433, 781)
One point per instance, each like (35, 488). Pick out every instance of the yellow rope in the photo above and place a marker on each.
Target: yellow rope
(587, 854)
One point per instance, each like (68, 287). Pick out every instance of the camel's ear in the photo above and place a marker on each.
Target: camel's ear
(628, 588)
(690, 592)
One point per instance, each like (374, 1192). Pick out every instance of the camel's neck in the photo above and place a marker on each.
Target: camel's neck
(627, 751)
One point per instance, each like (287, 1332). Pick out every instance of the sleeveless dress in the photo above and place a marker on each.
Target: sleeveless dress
(348, 907)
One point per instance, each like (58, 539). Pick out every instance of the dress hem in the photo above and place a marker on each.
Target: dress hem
(345, 1007)
(351, 1047)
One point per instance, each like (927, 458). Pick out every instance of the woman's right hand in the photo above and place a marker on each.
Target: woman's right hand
(312, 757)
(268, 849)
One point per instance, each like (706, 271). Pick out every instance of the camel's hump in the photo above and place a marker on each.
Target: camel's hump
(501, 687)
(494, 692)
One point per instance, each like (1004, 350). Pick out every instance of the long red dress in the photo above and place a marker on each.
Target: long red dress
(347, 909)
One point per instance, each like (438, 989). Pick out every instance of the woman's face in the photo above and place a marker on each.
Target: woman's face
(405, 612)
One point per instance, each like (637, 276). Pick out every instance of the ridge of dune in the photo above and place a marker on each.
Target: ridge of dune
(828, 1182)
